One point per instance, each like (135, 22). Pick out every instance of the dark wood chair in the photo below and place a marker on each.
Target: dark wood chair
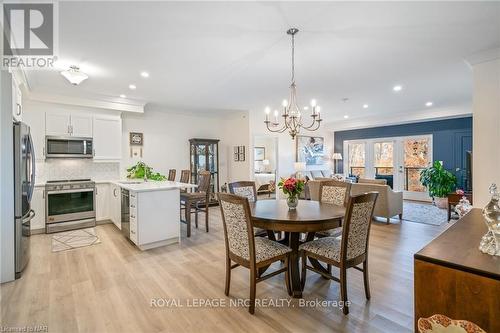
(197, 201)
(349, 250)
(337, 193)
(246, 250)
(248, 190)
(171, 175)
(185, 176)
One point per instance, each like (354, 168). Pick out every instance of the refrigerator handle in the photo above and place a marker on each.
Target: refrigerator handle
(32, 151)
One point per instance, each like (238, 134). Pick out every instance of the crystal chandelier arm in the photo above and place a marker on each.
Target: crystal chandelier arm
(280, 130)
(318, 123)
(313, 122)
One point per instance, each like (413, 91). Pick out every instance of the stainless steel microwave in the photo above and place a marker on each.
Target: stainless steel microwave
(69, 147)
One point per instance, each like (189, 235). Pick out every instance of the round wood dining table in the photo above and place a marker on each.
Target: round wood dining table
(309, 217)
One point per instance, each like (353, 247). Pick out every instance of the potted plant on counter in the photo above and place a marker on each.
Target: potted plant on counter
(291, 187)
(142, 171)
(439, 182)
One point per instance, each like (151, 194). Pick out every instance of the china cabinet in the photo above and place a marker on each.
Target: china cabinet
(204, 155)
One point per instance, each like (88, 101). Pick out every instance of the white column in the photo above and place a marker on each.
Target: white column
(486, 124)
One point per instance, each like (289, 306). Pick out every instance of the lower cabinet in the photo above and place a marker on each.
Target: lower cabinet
(102, 199)
(38, 205)
(115, 205)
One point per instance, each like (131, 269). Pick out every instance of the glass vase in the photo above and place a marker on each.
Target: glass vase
(292, 202)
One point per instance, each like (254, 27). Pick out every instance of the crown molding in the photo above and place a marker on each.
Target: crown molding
(115, 105)
(458, 111)
(483, 56)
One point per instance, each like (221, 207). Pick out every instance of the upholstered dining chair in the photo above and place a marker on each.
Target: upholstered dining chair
(194, 201)
(244, 249)
(171, 175)
(337, 193)
(347, 251)
(248, 190)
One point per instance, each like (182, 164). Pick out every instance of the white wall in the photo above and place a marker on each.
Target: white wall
(486, 129)
(287, 146)
(166, 140)
(7, 263)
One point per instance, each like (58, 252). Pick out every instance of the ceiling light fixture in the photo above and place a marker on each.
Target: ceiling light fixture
(144, 74)
(132, 86)
(123, 96)
(397, 88)
(74, 76)
(292, 117)
(365, 106)
(346, 117)
(429, 104)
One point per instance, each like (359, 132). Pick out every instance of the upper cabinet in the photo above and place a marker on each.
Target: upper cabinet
(66, 124)
(107, 138)
(17, 102)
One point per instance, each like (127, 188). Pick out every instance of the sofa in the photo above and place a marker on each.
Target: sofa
(389, 202)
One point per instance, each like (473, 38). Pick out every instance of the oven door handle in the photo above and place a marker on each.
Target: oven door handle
(70, 191)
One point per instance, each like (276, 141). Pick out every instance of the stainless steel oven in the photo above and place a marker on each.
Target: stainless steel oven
(69, 147)
(69, 204)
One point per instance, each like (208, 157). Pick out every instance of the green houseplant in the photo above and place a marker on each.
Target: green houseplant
(439, 182)
(142, 171)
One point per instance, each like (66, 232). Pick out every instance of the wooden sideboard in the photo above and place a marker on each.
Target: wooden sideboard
(452, 277)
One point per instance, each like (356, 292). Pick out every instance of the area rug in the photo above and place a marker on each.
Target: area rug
(424, 213)
(73, 239)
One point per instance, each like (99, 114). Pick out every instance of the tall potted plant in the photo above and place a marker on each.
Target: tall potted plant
(439, 182)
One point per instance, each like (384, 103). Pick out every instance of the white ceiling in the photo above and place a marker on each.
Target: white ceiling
(236, 56)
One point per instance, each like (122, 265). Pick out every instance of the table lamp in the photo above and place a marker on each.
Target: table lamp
(299, 168)
(336, 157)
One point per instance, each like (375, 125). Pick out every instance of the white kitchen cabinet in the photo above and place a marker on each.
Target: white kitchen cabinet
(68, 124)
(115, 205)
(38, 205)
(102, 199)
(81, 125)
(107, 138)
(36, 121)
(17, 103)
(57, 124)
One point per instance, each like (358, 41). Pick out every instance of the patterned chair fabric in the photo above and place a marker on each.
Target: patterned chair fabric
(334, 194)
(237, 234)
(331, 233)
(245, 191)
(330, 247)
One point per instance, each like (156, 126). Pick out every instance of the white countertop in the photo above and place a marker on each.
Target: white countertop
(140, 185)
(151, 185)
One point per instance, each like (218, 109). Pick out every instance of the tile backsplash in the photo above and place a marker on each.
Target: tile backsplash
(55, 169)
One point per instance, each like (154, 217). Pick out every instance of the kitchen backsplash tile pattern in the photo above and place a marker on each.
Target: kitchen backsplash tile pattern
(55, 169)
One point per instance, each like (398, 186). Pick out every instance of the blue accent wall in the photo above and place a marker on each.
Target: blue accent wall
(452, 138)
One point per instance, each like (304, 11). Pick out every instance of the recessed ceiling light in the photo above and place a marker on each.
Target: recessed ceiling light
(132, 86)
(428, 104)
(123, 96)
(397, 88)
(346, 116)
(144, 74)
(365, 106)
(306, 108)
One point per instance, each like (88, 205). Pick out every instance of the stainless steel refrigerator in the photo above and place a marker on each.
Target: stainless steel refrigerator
(24, 184)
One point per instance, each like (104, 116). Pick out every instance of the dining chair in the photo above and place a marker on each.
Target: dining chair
(337, 193)
(347, 251)
(244, 249)
(171, 175)
(185, 176)
(248, 190)
(198, 200)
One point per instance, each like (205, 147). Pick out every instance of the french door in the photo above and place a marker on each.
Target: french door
(398, 160)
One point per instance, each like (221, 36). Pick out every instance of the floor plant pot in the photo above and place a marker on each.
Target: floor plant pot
(441, 202)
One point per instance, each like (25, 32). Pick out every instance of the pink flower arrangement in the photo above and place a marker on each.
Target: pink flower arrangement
(460, 192)
(291, 186)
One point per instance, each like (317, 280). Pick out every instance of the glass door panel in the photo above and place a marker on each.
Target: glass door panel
(383, 161)
(356, 159)
(416, 157)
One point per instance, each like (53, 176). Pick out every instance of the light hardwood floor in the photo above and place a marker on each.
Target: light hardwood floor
(108, 287)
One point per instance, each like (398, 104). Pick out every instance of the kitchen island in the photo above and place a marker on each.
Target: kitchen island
(150, 215)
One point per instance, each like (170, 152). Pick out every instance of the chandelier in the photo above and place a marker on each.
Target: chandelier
(291, 114)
